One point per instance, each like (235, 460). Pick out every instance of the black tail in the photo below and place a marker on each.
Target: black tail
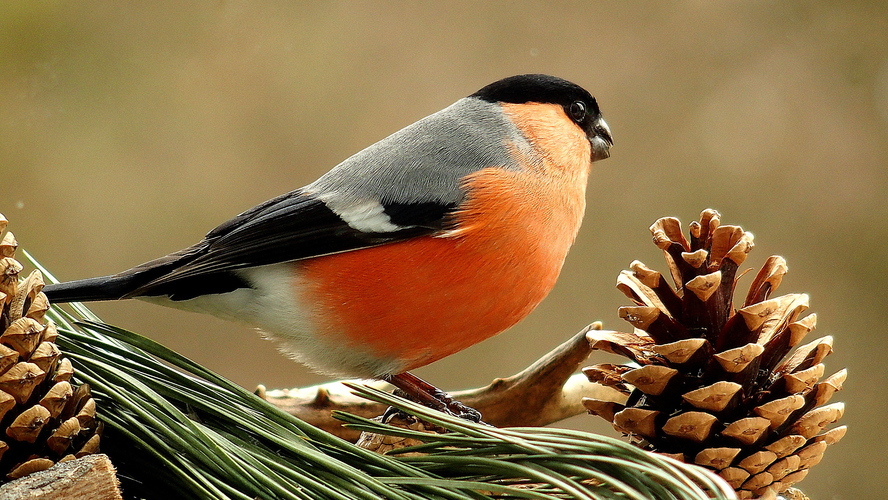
(92, 289)
(121, 285)
(140, 281)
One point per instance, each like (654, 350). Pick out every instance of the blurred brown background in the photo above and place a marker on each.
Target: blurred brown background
(127, 132)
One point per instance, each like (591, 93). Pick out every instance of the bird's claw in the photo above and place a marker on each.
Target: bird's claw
(441, 401)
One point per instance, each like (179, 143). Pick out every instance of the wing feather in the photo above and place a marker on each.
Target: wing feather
(291, 227)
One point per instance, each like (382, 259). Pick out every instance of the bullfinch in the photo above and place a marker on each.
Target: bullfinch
(435, 238)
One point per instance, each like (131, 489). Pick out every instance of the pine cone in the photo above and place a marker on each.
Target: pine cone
(46, 419)
(715, 385)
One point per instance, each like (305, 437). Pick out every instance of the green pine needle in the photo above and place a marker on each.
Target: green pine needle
(174, 428)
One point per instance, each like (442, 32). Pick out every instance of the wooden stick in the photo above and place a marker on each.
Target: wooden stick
(89, 478)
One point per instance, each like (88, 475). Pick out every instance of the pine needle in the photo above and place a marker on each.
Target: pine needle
(174, 428)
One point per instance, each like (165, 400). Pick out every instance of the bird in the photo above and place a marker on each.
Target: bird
(435, 238)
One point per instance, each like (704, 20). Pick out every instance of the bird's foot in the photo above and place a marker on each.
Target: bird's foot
(455, 408)
(416, 389)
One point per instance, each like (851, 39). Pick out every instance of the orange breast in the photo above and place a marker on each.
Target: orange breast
(426, 298)
(423, 299)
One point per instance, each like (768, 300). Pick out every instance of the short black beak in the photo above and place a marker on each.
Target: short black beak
(601, 140)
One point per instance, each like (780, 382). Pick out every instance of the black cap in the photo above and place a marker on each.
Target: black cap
(546, 89)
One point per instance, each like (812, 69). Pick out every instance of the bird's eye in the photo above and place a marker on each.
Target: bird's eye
(578, 111)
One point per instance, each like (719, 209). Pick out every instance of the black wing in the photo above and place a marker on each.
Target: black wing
(291, 227)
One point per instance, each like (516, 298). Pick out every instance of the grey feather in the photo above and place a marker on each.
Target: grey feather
(425, 161)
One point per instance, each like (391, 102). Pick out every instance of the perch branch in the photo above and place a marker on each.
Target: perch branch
(545, 392)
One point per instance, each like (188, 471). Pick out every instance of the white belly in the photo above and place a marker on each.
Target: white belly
(275, 307)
